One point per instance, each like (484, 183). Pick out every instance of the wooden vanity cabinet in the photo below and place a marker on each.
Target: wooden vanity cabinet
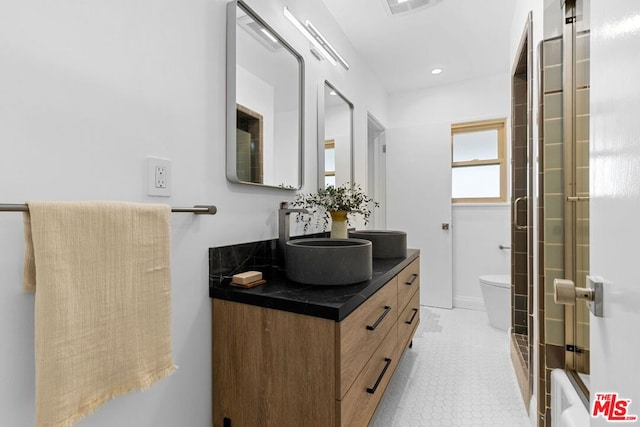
(276, 368)
(409, 301)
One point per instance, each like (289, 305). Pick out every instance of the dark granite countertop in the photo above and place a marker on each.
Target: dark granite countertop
(328, 302)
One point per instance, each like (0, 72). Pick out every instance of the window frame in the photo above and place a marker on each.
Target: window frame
(499, 125)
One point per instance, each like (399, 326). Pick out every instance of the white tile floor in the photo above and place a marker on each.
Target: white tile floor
(458, 373)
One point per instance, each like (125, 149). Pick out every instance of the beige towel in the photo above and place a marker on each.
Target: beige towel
(102, 302)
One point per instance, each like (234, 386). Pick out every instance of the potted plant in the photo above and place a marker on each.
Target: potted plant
(335, 203)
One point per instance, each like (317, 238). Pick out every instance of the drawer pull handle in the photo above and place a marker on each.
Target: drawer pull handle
(414, 276)
(387, 309)
(410, 321)
(373, 389)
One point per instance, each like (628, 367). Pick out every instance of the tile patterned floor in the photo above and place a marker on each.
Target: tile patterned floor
(458, 373)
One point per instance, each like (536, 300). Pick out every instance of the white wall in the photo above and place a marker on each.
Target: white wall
(88, 91)
(420, 161)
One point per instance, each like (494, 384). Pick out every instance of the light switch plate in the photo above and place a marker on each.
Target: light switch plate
(158, 177)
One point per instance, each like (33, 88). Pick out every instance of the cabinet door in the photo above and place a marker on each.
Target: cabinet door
(408, 321)
(272, 368)
(408, 283)
(361, 401)
(363, 331)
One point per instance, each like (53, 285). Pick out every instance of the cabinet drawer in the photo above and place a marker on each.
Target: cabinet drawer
(360, 402)
(360, 334)
(408, 321)
(408, 283)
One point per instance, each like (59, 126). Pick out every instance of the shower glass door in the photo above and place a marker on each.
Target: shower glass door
(577, 192)
(574, 172)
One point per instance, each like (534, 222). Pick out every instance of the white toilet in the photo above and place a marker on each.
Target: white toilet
(496, 291)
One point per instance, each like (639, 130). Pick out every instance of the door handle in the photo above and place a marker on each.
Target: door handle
(565, 292)
(516, 216)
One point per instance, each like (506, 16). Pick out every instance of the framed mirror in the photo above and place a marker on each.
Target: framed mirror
(335, 137)
(265, 81)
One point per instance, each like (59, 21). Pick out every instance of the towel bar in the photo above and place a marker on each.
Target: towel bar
(197, 209)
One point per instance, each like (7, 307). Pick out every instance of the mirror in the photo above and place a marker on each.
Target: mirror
(264, 103)
(335, 134)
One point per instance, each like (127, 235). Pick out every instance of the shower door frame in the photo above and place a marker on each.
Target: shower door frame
(523, 65)
(577, 355)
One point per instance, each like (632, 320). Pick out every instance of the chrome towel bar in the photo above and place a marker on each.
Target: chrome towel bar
(198, 209)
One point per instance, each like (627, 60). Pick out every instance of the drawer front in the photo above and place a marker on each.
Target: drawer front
(408, 321)
(360, 402)
(408, 283)
(361, 333)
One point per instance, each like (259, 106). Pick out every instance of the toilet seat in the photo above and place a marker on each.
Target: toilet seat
(498, 280)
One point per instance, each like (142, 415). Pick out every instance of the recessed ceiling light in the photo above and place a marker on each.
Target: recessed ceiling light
(403, 6)
(436, 71)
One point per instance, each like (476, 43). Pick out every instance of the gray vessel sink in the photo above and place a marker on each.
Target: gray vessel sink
(325, 261)
(386, 243)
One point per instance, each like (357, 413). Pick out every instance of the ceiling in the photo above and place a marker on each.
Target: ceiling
(466, 38)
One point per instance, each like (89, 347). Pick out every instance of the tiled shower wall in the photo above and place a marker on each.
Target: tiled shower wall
(551, 227)
(582, 188)
(551, 210)
(519, 245)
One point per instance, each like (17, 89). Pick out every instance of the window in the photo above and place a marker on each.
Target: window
(478, 165)
(329, 163)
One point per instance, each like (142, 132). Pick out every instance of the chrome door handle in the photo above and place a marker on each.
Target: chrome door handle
(515, 215)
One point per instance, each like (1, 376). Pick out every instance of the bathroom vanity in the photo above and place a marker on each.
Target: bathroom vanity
(286, 354)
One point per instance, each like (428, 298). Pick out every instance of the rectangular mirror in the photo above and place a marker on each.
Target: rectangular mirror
(265, 81)
(335, 135)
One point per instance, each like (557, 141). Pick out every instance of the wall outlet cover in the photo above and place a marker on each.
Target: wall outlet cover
(158, 177)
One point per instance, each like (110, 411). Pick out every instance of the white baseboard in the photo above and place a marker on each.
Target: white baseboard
(469, 303)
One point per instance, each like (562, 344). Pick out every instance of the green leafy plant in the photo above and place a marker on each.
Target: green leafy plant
(347, 197)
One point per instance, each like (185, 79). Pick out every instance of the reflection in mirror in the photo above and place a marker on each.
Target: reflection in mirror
(264, 103)
(335, 137)
(249, 142)
(330, 163)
